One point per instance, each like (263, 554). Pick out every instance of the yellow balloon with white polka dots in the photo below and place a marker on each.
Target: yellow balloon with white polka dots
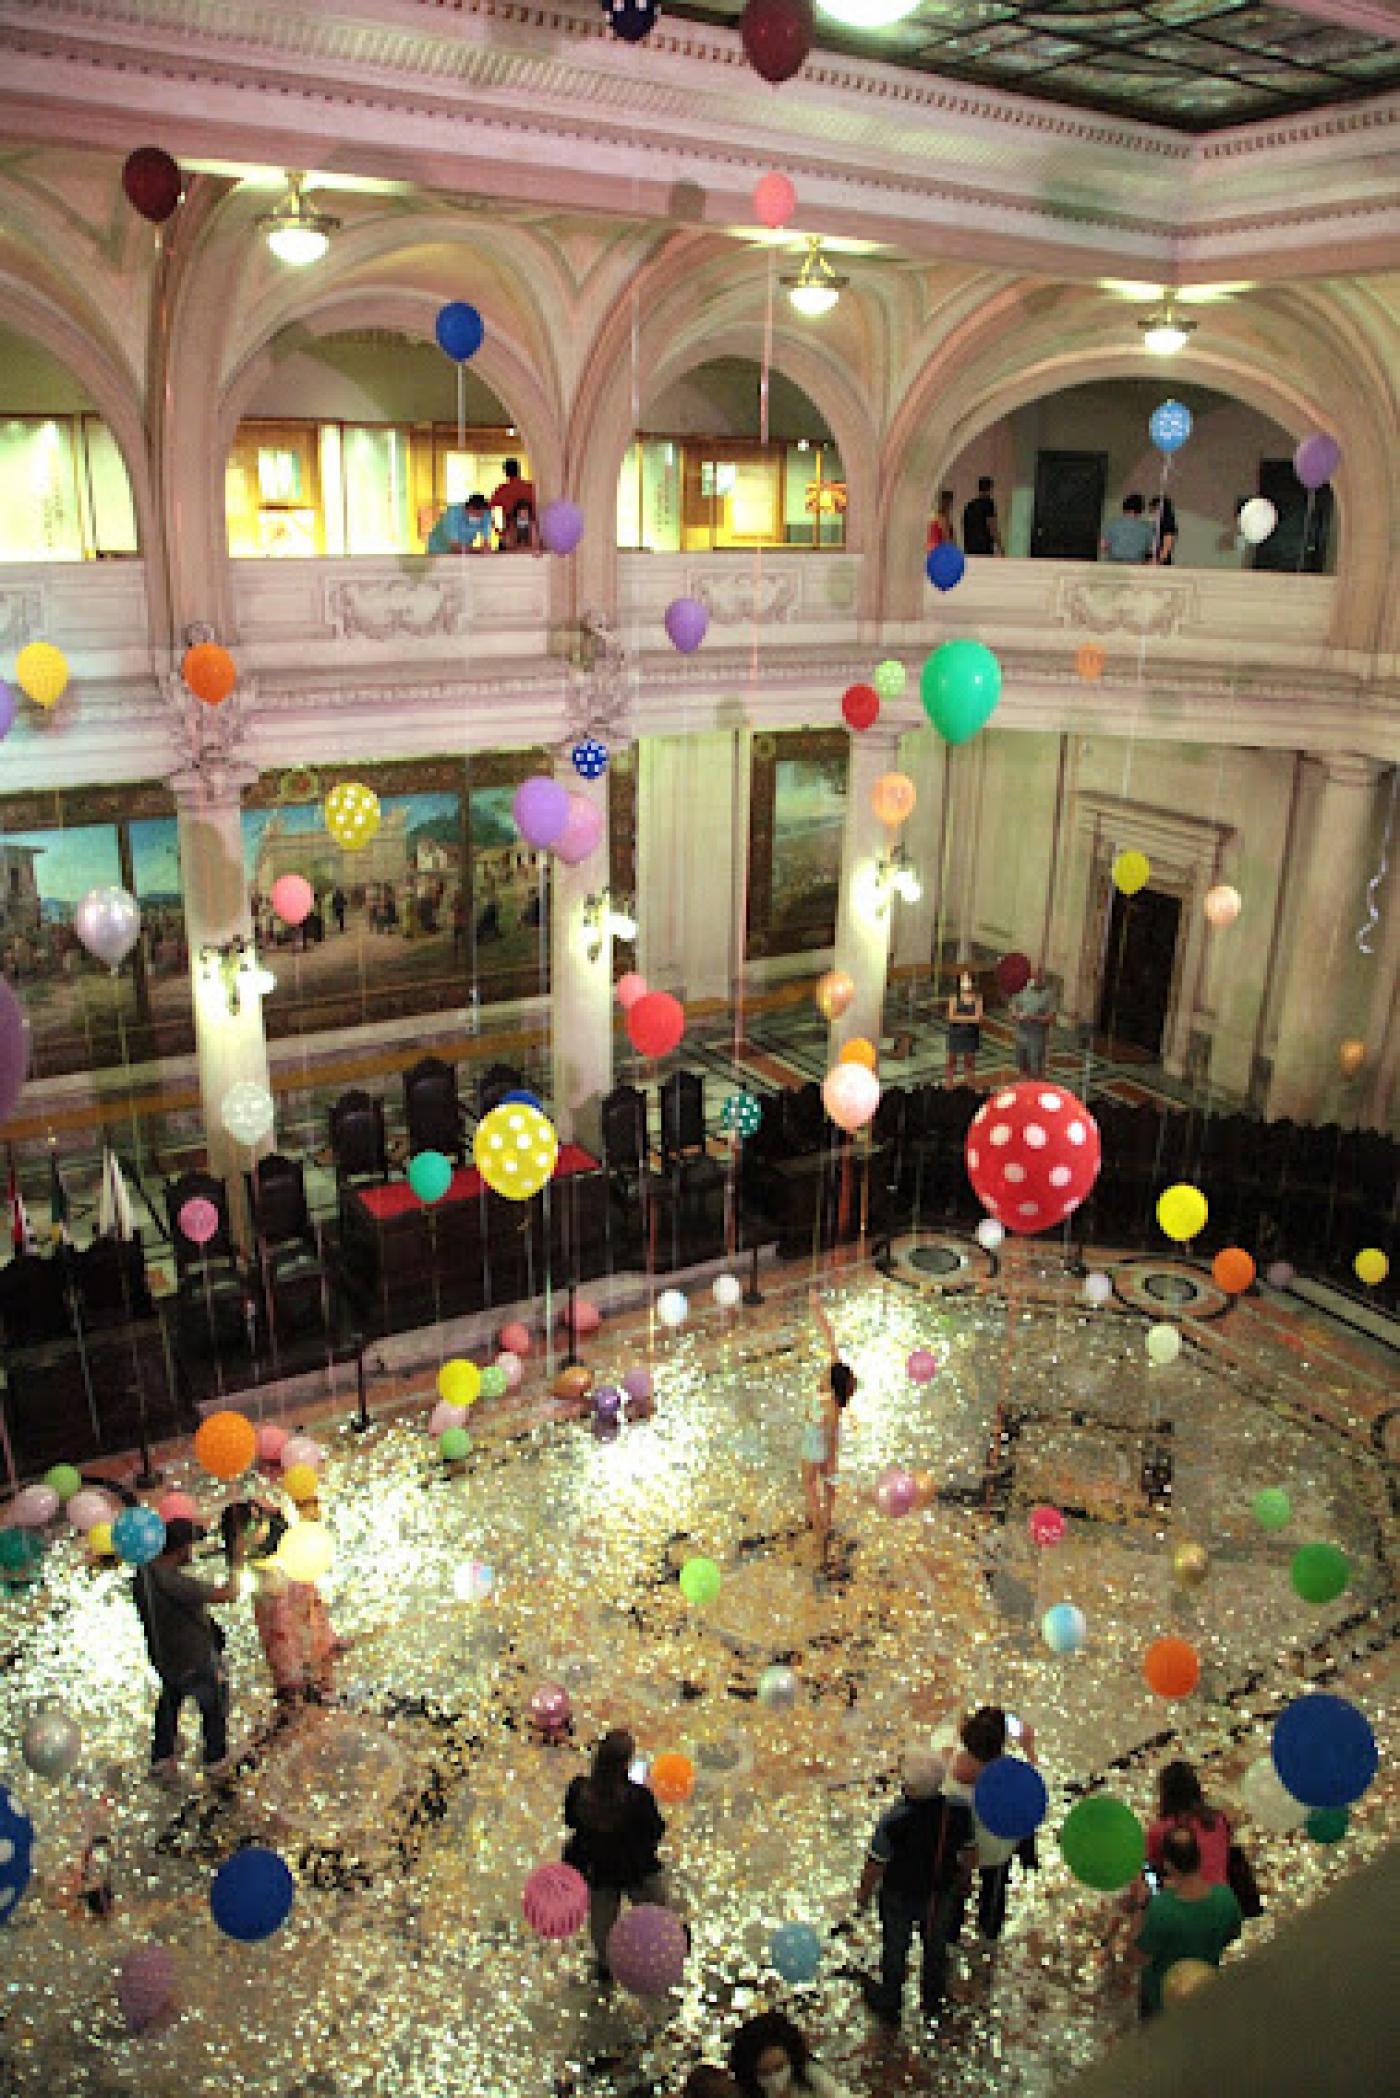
(516, 1150)
(352, 814)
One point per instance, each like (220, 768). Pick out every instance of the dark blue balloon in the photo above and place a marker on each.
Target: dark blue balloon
(251, 1896)
(944, 566)
(1010, 1799)
(460, 330)
(1324, 1751)
(16, 1853)
(521, 1098)
(631, 19)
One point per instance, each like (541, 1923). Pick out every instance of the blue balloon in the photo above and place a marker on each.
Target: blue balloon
(16, 1853)
(1169, 426)
(521, 1098)
(1063, 1628)
(795, 1951)
(1324, 1751)
(1010, 1799)
(944, 566)
(251, 1895)
(631, 19)
(138, 1536)
(460, 330)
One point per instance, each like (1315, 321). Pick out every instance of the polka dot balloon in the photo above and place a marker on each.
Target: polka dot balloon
(590, 758)
(352, 814)
(741, 1114)
(16, 1848)
(1032, 1155)
(516, 1150)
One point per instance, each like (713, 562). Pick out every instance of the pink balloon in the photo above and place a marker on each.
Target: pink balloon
(292, 898)
(145, 1985)
(89, 1508)
(582, 832)
(514, 1369)
(896, 1491)
(444, 1417)
(198, 1219)
(850, 1095)
(300, 1449)
(272, 1440)
(630, 988)
(515, 1338)
(587, 1317)
(922, 1366)
(176, 1505)
(555, 1901)
(774, 199)
(1046, 1525)
(637, 1384)
(32, 1507)
(551, 1708)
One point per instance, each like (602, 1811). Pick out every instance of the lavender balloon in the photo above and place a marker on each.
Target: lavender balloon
(607, 1402)
(1317, 459)
(637, 1384)
(896, 1491)
(9, 707)
(14, 1050)
(686, 622)
(582, 832)
(561, 527)
(541, 810)
(107, 922)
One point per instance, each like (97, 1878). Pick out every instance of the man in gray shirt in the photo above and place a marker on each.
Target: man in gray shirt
(1034, 1007)
(1129, 537)
(185, 1647)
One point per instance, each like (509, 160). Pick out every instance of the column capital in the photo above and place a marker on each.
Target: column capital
(1344, 768)
(212, 764)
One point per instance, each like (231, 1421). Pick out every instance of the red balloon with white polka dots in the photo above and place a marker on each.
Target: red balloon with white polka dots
(1032, 1155)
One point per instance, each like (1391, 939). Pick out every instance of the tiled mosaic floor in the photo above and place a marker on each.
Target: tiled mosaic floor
(413, 1805)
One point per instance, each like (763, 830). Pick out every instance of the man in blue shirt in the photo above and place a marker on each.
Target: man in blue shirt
(914, 1862)
(1129, 537)
(462, 525)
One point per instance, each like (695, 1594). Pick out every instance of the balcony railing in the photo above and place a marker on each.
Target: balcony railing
(373, 609)
(95, 611)
(799, 595)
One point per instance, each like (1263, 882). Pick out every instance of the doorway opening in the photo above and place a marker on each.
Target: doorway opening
(1069, 492)
(1140, 966)
(1299, 540)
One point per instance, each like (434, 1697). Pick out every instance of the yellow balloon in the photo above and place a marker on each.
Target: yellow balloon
(1190, 1563)
(1131, 872)
(307, 1551)
(99, 1539)
(459, 1382)
(516, 1150)
(352, 814)
(1182, 1212)
(1371, 1266)
(301, 1482)
(858, 1051)
(41, 671)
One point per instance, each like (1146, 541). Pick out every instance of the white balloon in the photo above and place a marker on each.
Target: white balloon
(248, 1111)
(1163, 1344)
(51, 1743)
(107, 921)
(672, 1307)
(1098, 1287)
(728, 1291)
(1258, 518)
(1267, 1799)
(990, 1234)
(307, 1551)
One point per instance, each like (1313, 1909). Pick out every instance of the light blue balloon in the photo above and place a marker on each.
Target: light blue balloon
(795, 1951)
(1063, 1628)
(138, 1536)
(1169, 426)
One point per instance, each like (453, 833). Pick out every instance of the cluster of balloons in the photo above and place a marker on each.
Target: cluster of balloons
(552, 818)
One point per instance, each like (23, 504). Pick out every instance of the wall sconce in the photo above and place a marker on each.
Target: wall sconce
(600, 919)
(233, 965)
(895, 877)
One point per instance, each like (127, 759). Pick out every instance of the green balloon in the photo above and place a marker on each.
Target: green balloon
(700, 1579)
(1319, 1572)
(454, 1443)
(1272, 1508)
(890, 678)
(1328, 1824)
(494, 1382)
(1103, 1844)
(65, 1479)
(430, 1175)
(960, 685)
(19, 1551)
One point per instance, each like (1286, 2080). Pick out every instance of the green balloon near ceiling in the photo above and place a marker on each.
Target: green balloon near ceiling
(960, 685)
(1319, 1572)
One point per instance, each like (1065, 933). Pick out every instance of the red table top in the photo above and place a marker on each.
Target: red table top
(397, 1198)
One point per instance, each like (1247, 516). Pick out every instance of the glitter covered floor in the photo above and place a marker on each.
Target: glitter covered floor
(413, 1805)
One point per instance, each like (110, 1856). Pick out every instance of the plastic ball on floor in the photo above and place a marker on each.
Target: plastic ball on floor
(795, 1952)
(1063, 1628)
(646, 1950)
(555, 1901)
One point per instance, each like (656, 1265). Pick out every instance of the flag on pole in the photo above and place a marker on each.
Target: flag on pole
(114, 1207)
(58, 1205)
(21, 1230)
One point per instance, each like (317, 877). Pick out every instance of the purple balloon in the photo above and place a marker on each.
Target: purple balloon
(9, 707)
(607, 1402)
(637, 1384)
(582, 832)
(646, 1950)
(1317, 459)
(540, 809)
(14, 1050)
(896, 1492)
(686, 623)
(561, 527)
(551, 1708)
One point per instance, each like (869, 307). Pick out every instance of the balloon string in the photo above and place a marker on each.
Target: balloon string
(1366, 933)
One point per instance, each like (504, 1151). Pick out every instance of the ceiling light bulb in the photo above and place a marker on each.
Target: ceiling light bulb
(813, 299)
(296, 232)
(816, 287)
(867, 14)
(1164, 332)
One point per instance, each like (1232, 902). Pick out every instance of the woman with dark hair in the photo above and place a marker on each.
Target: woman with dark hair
(616, 1828)
(1182, 1804)
(821, 1431)
(709, 2082)
(770, 2056)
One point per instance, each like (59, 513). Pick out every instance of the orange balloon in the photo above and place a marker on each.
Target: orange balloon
(1351, 1056)
(210, 672)
(573, 1383)
(833, 993)
(672, 1778)
(1171, 1667)
(858, 1051)
(226, 1444)
(1089, 662)
(893, 797)
(925, 1489)
(1233, 1270)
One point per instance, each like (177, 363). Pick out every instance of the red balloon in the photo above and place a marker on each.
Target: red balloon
(860, 704)
(1032, 1155)
(774, 199)
(153, 183)
(655, 1023)
(777, 37)
(1013, 973)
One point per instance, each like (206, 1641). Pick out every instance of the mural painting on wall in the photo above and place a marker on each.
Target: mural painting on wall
(53, 850)
(798, 814)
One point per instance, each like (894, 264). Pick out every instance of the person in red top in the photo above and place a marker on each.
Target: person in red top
(515, 500)
(1182, 1804)
(942, 527)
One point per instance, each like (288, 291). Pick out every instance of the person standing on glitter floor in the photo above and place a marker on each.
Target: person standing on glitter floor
(915, 1863)
(982, 1738)
(294, 1626)
(616, 1830)
(821, 1431)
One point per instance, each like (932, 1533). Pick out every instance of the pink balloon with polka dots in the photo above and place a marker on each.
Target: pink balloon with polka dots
(1032, 1155)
